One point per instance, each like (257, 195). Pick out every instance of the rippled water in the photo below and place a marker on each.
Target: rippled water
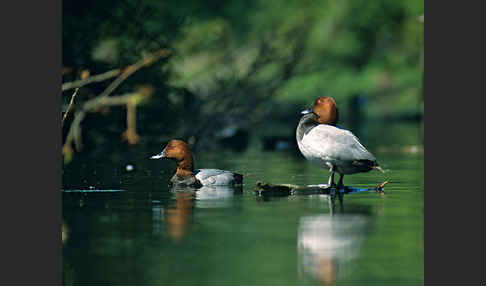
(148, 234)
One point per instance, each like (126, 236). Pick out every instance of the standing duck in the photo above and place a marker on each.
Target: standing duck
(322, 142)
(186, 175)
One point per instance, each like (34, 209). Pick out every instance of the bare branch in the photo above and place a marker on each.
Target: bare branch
(128, 71)
(69, 106)
(131, 133)
(102, 100)
(95, 78)
(92, 105)
(123, 74)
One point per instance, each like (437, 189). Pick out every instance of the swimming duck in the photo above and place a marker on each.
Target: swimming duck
(186, 175)
(322, 142)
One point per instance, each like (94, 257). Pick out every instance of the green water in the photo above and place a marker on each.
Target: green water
(150, 235)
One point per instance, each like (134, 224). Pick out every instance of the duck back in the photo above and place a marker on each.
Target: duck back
(216, 177)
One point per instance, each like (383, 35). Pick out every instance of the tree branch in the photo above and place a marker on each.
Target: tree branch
(102, 100)
(123, 74)
(92, 105)
(69, 106)
(95, 78)
(128, 71)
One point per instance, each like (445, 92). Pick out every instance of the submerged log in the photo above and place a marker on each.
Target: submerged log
(282, 190)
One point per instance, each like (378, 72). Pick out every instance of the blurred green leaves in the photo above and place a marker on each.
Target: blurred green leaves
(250, 55)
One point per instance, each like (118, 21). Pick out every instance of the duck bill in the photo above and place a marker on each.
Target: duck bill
(306, 111)
(160, 155)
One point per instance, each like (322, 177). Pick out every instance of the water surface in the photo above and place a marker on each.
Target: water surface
(148, 234)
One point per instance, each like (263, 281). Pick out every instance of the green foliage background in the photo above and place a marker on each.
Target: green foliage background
(244, 62)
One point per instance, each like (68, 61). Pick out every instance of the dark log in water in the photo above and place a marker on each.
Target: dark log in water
(281, 190)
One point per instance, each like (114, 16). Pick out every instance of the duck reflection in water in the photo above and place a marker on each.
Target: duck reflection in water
(326, 246)
(217, 196)
(178, 216)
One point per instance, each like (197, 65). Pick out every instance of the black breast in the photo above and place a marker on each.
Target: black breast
(185, 181)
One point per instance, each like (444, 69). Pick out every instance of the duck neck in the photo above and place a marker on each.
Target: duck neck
(185, 167)
(306, 123)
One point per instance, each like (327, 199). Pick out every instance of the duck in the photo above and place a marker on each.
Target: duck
(321, 141)
(186, 175)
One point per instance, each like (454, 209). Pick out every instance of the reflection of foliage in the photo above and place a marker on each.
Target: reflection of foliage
(235, 61)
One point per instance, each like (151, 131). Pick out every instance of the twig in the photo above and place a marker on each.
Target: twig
(96, 103)
(131, 133)
(95, 78)
(92, 105)
(128, 71)
(69, 106)
(84, 75)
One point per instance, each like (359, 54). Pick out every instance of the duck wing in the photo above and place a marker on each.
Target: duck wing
(215, 177)
(333, 143)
